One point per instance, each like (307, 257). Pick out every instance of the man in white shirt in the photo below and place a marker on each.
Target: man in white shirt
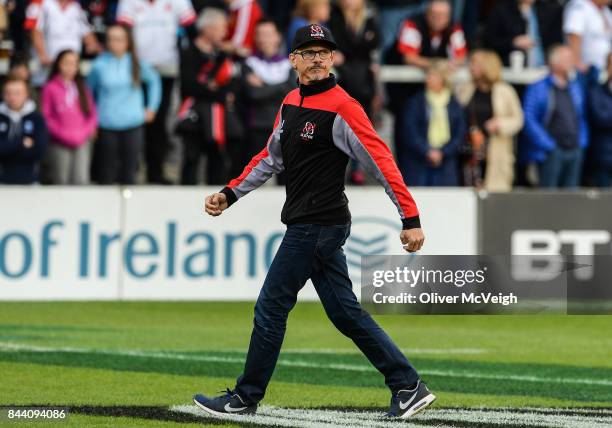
(155, 24)
(588, 27)
(57, 25)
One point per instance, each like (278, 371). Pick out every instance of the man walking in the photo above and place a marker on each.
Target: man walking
(317, 129)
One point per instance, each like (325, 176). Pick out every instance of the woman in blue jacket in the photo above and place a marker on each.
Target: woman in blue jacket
(116, 80)
(434, 132)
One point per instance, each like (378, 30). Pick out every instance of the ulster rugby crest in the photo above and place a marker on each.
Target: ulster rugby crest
(316, 31)
(308, 131)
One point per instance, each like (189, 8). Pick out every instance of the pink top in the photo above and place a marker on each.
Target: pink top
(66, 121)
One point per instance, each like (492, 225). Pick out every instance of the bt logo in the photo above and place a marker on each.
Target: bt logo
(544, 247)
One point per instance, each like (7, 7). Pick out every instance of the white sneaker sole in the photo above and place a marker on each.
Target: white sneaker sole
(421, 405)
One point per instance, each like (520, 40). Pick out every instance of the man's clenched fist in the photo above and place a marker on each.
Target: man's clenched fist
(215, 204)
(412, 239)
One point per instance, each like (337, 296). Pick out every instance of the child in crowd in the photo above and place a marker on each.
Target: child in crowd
(23, 135)
(68, 108)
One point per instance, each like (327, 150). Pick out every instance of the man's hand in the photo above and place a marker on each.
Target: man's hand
(215, 204)
(45, 60)
(492, 126)
(523, 42)
(254, 80)
(412, 239)
(435, 157)
(149, 116)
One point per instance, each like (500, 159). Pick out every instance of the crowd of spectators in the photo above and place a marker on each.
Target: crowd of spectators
(90, 95)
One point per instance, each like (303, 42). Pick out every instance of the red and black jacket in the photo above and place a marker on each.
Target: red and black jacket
(317, 129)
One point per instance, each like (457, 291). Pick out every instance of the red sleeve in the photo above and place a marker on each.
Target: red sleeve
(125, 13)
(409, 41)
(185, 12)
(187, 21)
(224, 74)
(256, 15)
(33, 12)
(244, 20)
(458, 44)
(355, 135)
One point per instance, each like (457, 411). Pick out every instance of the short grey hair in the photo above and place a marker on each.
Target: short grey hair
(209, 16)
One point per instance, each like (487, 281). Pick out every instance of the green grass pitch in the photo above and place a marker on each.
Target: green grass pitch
(138, 364)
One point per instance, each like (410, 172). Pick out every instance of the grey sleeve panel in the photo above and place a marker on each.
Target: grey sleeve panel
(347, 141)
(266, 167)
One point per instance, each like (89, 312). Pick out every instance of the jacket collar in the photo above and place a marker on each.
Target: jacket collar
(317, 87)
(16, 116)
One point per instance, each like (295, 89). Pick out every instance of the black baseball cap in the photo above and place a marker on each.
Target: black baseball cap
(313, 34)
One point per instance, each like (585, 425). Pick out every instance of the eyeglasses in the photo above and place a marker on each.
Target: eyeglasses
(309, 55)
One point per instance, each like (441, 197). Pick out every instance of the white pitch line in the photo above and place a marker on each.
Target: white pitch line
(8, 347)
(520, 418)
(605, 411)
(444, 418)
(263, 419)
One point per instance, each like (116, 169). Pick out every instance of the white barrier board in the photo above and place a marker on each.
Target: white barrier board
(155, 243)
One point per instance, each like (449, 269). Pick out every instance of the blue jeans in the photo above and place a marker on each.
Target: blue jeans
(315, 252)
(562, 168)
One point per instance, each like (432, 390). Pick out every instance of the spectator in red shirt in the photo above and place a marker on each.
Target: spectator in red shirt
(427, 36)
(432, 36)
(244, 15)
(54, 26)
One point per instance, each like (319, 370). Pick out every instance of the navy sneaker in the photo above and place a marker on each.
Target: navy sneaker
(409, 402)
(229, 403)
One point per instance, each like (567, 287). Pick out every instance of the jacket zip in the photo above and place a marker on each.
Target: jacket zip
(297, 113)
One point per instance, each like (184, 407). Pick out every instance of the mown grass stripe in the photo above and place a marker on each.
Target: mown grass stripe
(301, 364)
(495, 379)
(407, 351)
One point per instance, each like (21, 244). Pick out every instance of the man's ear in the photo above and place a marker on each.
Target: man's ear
(293, 60)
